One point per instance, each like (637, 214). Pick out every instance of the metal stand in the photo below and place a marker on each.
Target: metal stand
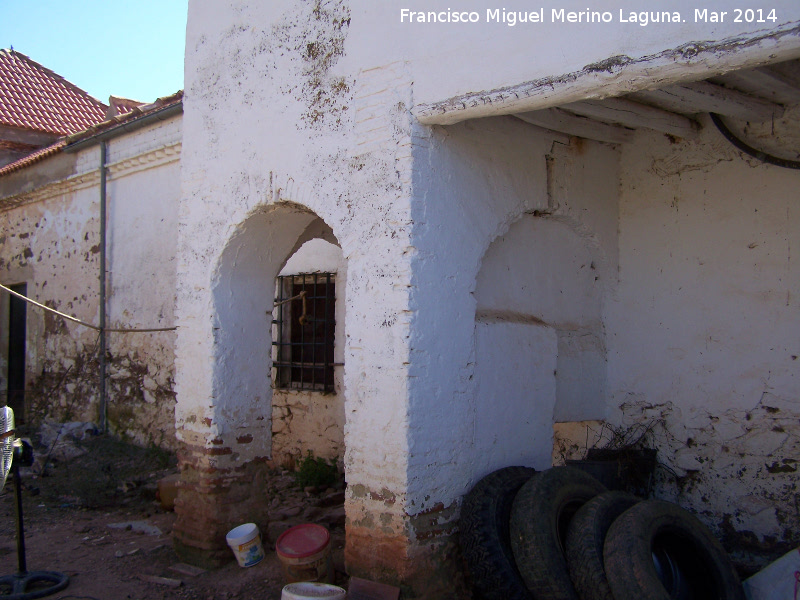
(24, 585)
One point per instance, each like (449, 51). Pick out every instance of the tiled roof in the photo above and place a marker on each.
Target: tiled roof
(34, 98)
(34, 158)
(118, 121)
(132, 114)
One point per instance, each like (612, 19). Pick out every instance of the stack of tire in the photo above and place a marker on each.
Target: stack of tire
(560, 534)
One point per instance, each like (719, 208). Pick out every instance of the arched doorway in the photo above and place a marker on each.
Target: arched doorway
(227, 440)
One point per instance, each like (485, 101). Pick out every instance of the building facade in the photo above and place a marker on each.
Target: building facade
(538, 235)
(518, 255)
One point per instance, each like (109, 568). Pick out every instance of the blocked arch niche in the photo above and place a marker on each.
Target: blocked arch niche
(243, 296)
(539, 339)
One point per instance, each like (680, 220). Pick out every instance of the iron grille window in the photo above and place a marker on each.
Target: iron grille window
(305, 319)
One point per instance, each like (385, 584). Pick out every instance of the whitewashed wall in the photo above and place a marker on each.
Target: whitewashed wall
(143, 198)
(704, 334)
(297, 112)
(50, 241)
(269, 149)
(516, 233)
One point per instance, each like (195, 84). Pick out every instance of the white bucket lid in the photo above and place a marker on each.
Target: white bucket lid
(308, 589)
(242, 533)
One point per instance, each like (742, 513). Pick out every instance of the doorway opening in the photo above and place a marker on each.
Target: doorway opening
(17, 332)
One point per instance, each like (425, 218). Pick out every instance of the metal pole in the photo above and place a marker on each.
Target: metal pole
(103, 402)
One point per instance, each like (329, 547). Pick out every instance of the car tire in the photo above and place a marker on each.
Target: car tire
(585, 538)
(484, 535)
(540, 517)
(659, 551)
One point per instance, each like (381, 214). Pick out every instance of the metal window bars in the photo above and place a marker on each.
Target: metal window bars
(304, 321)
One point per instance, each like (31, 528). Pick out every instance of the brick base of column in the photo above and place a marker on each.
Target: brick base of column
(425, 564)
(210, 503)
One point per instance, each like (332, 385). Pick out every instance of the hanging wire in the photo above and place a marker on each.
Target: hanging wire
(747, 149)
(84, 323)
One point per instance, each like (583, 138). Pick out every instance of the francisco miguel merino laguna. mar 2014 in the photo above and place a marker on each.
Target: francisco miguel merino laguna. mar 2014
(561, 15)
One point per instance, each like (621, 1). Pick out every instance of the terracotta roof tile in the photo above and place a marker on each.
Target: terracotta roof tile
(120, 106)
(33, 97)
(34, 158)
(133, 114)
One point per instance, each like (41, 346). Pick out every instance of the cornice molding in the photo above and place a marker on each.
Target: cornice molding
(153, 159)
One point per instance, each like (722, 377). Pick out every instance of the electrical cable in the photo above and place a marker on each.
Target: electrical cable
(747, 149)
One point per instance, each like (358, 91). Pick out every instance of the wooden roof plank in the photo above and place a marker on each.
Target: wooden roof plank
(761, 83)
(702, 96)
(556, 119)
(628, 113)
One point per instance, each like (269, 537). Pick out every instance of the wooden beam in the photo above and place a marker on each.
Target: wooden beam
(633, 114)
(788, 72)
(557, 136)
(690, 61)
(702, 96)
(762, 84)
(559, 120)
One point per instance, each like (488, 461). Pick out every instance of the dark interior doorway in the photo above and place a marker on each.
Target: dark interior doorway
(16, 352)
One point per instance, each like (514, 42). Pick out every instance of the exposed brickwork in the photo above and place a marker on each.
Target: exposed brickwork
(418, 553)
(211, 501)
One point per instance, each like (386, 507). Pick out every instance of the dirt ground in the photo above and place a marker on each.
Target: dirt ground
(95, 518)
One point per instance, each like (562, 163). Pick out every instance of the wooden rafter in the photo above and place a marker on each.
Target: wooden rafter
(560, 120)
(628, 113)
(702, 96)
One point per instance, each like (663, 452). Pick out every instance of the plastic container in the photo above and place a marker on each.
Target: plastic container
(309, 589)
(168, 490)
(305, 553)
(245, 541)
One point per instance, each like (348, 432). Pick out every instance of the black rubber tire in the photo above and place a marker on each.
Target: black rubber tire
(697, 564)
(585, 537)
(484, 535)
(540, 517)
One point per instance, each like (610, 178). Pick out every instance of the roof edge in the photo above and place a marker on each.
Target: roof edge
(620, 75)
(160, 110)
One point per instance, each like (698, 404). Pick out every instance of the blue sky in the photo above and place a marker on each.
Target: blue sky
(105, 47)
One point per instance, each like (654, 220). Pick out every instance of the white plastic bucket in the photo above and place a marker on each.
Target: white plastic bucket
(309, 589)
(245, 541)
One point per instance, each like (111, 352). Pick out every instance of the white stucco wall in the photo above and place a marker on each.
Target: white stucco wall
(515, 370)
(48, 245)
(516, 232)
(249, 174)
(703, 340)
(297, 112)
(143, 198)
